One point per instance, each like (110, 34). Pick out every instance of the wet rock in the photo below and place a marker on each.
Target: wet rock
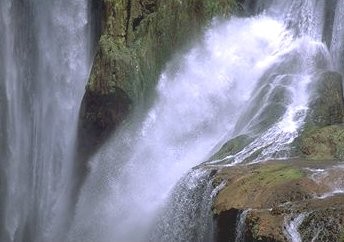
(327, 105)
(323, 144)
(277, 192)
(262, 186)
(99, 115)
(138, 37)
(323, 135)
(226, 225)
(231, 147)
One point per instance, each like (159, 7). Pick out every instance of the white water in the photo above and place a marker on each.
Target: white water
(45, 66)
(337, 46)
(292, 226)
(196, 109)
(241, 226)
(331, 177)
(201, 103)
(225, 86)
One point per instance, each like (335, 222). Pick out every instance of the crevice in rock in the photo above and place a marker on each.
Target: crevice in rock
(225, 225)
(128, 21)
(137, 21)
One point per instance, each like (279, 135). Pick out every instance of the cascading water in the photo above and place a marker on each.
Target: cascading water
(196, 109)
(44, 66)
(292, 226)
(241, 225)
(204, 101)
(248, 76)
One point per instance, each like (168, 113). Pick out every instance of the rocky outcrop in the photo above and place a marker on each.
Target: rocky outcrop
(293, 197)
(275, 194)
(327, 104)
(138, 38)
(231, 147)
(325, 143)
(99, 115)
(323, 134)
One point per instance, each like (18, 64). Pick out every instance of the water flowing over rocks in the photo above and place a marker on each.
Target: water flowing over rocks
(202, 120)
(276, 192)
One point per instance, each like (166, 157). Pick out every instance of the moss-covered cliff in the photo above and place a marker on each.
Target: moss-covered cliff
(138, 38)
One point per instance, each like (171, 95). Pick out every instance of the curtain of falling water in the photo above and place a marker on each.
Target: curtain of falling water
(45, 58)
(210, 96)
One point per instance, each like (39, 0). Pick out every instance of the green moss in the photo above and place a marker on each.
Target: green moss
(325, 143)
(219, 8)
(140, 38)
(272, 175)
(341, 239)
(113, 49)
(231, 147)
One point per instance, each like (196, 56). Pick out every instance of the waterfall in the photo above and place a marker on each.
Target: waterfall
(331, 177)
(291, 228)
(204, 98)
(248, 76)
(44, 66)
(195, 110)
(240, 227)
(337, 47)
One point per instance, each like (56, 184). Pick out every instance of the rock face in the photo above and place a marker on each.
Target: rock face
(327, 105)
(323, 143)
(99, 115)
(275, 194)
(323, 134)
(138, 38)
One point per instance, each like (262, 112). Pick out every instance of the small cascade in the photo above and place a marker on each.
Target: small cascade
(291, 227)
(241, 226)
(187, 215)
(331, 177)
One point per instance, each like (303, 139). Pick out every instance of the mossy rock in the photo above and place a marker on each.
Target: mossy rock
(144, 34)
(138, 38)
(327, 104)
(325, 143)
(259, 186)
(99, 115)
(325, 224)
(232, 147)
(322, 135)
(274, 193)
(342, 236)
